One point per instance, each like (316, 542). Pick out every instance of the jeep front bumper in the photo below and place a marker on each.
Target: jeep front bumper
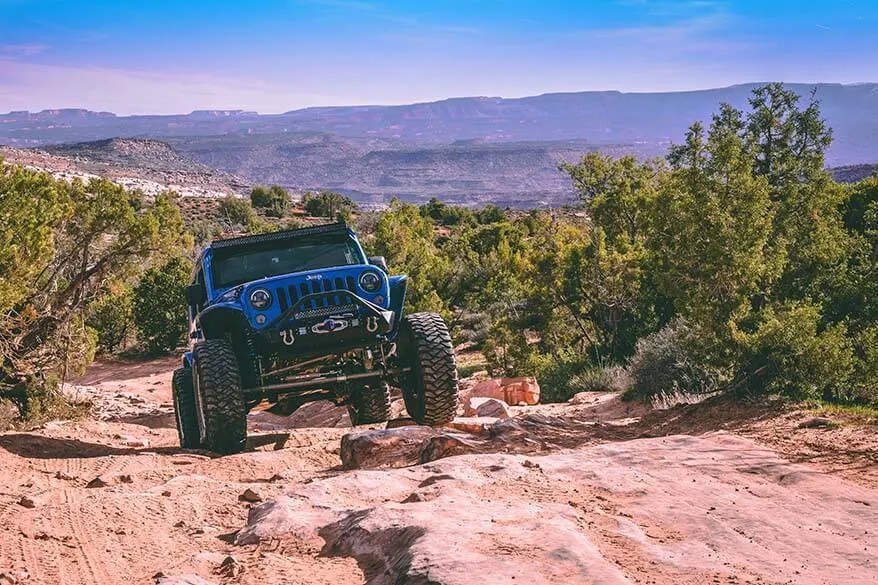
(327, 319)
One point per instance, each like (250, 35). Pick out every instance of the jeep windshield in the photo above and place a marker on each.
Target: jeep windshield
(233, 266)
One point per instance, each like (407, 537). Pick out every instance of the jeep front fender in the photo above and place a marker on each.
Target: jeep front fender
(217, 320)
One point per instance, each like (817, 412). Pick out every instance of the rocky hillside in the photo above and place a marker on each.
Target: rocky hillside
(149, 165)
(375, 170)
(854, 173)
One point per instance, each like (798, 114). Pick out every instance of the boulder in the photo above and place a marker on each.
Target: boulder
(516, 391)
(818, 422)
(472, 424)
(319, 414)
(449, 445)
(288, 516)
(322, 413)
(384, 448)
(434, 524)
(409, 445)
(482, 406)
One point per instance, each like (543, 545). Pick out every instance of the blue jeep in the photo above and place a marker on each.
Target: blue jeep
(301, 315)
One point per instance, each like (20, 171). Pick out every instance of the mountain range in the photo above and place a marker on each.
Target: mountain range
(467, 150)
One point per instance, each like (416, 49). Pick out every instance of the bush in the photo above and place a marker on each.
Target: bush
(598, 379)
(40, 400)
(237, 211)
(204, 231)
(864, 388)
(558, 375)
(328, 204)
(490, 214)
(790, 353)
(111, 318)
(665, 365)
(447, 215)
(453, 216)
(160, 309)
(274, 200)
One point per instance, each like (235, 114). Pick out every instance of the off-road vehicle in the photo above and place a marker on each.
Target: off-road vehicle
(302, 315)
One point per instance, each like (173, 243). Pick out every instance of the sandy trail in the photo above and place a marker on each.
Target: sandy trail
(706, 507)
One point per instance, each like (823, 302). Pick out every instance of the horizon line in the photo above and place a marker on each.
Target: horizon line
(439, 100)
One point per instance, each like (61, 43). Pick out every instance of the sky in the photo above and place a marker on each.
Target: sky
(271, 56)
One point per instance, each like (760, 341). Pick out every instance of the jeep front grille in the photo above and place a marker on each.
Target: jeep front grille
(289, 296)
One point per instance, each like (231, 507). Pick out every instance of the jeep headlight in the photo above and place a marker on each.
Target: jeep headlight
(260, 299)
(370, 282)
(230, 296)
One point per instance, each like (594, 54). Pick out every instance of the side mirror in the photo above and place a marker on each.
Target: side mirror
(195, 295)
(380, 262)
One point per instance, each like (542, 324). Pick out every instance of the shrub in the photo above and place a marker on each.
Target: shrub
(790, 353)
(558, 375)
(507, 351)
(447, 215)
(160, 310)
(274, 200)
(665, 364)
(490, 214)
(111, 319)
(327, 204)
(864, 387)
(601, 379)
(204, 231)
(453, 215)
(237, 211)
(40, 400)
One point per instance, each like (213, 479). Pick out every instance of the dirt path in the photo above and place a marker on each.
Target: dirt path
(115, 501)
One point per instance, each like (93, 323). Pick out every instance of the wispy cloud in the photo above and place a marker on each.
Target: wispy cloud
(23, 50)
(662, 33)
(37, 86)
(681, 27)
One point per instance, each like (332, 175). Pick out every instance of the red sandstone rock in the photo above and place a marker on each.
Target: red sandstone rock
(510, 390)
(482, 406)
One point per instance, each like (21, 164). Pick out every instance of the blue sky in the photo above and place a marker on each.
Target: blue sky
(271, 56)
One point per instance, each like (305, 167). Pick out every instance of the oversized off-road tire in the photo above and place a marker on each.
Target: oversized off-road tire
(430, 388)
(222, 411)
(370, 404)
(183, 392)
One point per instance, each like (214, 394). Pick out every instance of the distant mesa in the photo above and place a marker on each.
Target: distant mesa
(854, 173)
(214, 114)
(56, 115)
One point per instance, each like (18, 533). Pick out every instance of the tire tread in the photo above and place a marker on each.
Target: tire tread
(370, 405)
(223, 406)
(433, 354)
(186, 417)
